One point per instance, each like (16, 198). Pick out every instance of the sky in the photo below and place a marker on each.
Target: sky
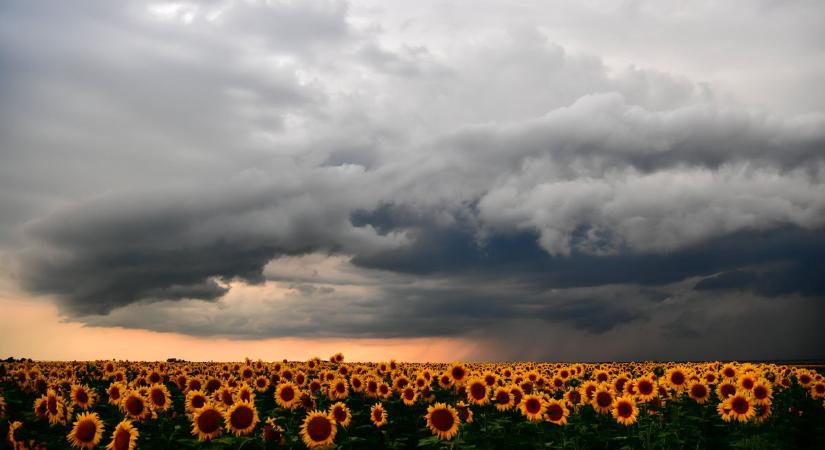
(426, 181)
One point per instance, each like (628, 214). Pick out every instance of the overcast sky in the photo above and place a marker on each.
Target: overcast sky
(543, 180)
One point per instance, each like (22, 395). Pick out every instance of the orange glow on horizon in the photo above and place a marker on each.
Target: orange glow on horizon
(32, 328)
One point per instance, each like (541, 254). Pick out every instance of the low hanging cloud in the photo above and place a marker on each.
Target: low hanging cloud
(256, 169)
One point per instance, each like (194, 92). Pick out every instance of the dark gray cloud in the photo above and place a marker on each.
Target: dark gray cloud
(325, 168)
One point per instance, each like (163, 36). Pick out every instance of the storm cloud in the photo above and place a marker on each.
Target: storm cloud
(346, 169)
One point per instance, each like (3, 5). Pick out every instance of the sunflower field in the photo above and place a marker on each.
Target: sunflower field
(333, 404)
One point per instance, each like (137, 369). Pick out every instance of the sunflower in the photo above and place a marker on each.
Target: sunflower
(465, 414)
(817, 390)
(272, 432)
(39, 407)
(573, 398)
(206, 422)
(645, 389)
(457, 373)
(194, 384)
(10, 436)
(625, 411)
(602, 399)
(409, 395)
(246, 373)
(224, 397)
(2, 407)
(340, 413)
(356, 383)
(619, 382)
(318, 430)
(82, 396)
(477, 391)
(443, 420)
(124, 437)
(286, 395)
(261, 383)
(724, 411)
(86, 432)
(445, 381)
(729, 371)
(134, 405)
(741, 406)
(378, 415)
(532, 406)
(725, 389)
(677, 378)
(339, 389)
(241, 418)
(804, 378)
(699, 392)
(587, 389)
(762, 392)
(762, 413)
(195, 400)
(746, 382)
(114, 392)
(55, 408)
(159, 397)
(503, 399)
(518, 394)
(556, 412)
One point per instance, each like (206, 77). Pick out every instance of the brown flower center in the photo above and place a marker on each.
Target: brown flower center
(442, 419)
(85, 431)
(604, 399)
(242, 417)
(134, 406)
(209, 421)
(319, 428)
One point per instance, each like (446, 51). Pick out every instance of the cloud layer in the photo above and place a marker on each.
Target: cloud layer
(325, 169)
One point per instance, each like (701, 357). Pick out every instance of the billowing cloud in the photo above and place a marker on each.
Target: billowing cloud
(325, 169)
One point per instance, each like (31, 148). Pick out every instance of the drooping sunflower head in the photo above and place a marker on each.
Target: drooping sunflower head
(442, 420)
(318, 430)
(86, 431)
(464, 413)
(124, 437)
(241, 418)
(273, 433)
(378, 415)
